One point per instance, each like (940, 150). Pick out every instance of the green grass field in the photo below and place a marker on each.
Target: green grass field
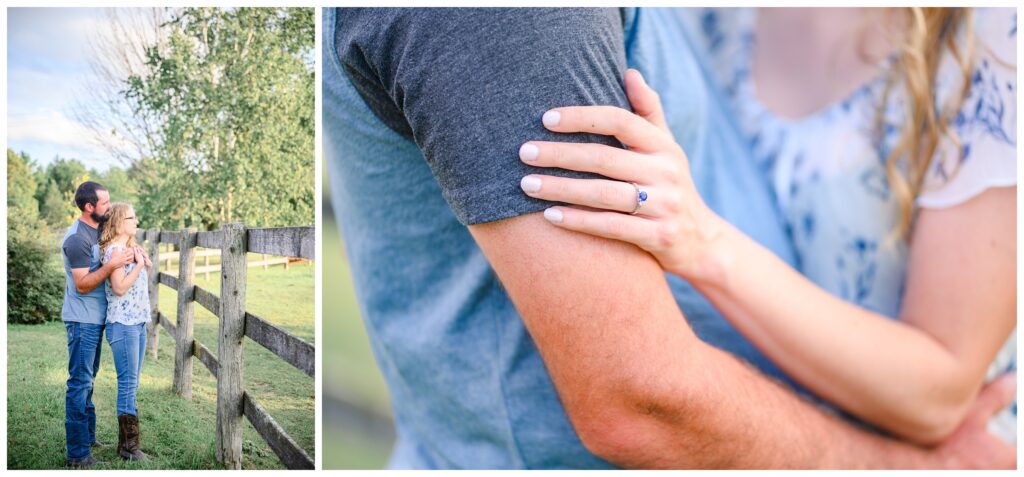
(176, 433)
(348, 363)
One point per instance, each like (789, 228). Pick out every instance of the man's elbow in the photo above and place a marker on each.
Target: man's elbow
(636, 439)
(618, 438)
(639, 427)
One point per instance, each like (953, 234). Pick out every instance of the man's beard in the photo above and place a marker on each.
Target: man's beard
(99, 218)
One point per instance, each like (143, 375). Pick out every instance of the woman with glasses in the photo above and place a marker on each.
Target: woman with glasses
(128, 311)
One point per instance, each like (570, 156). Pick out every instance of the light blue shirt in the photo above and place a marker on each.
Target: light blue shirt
(80, 246)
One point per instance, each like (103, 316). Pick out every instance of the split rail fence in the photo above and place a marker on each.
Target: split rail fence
(235, 324)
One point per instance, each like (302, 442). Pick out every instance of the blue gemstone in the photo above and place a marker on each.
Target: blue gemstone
(643, 196)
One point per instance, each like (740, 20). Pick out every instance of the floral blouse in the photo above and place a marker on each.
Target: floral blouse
(827, 169)
(131, 308)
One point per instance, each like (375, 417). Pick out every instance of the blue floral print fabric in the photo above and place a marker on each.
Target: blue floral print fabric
(131, 308)
(828, 168)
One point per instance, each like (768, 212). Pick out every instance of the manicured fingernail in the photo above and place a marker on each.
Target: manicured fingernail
(530, 184)
(528, 152)
(553, 215)
(641, 76)
(551, 119)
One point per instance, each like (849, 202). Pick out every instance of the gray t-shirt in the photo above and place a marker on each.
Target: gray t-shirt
(80, 249)
(399, 59)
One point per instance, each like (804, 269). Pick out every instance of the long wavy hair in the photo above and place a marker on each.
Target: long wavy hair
(116, 215)
(927, 34)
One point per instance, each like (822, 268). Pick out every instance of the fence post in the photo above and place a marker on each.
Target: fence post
(186, 307)
(206, 267)
(153, 327)
(229, 345)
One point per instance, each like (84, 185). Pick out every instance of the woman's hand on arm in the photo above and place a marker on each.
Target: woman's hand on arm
(671, 221)
(913, 378)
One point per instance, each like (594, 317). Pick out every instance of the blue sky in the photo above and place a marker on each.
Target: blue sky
(46, 72)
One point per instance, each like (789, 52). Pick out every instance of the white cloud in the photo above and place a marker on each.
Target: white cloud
(51, 127)
(29, 89)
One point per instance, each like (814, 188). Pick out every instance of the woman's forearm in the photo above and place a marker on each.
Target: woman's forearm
(914, 376)
(888, 373)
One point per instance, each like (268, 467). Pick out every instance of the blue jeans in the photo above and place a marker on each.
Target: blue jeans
(128, 343)
(84, 341)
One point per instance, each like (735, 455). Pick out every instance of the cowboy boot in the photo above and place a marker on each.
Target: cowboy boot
(122, 426)
(130, 450)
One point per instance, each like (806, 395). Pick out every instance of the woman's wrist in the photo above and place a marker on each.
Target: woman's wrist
(712, 253)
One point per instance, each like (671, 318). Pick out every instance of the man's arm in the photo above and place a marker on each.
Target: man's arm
(86, 281)
(640, 388)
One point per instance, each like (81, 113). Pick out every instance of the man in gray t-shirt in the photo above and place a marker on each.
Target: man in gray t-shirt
(84, 313)
(507, 342)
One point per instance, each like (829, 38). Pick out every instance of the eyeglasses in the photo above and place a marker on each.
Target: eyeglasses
(130, 218)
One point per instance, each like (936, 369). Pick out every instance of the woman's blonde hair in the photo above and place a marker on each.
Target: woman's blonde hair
(119, 211)
(928, 34)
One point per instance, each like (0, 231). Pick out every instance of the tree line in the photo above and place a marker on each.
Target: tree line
(223, 106)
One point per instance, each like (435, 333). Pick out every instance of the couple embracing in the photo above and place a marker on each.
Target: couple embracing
(106, 290)
(803, 257)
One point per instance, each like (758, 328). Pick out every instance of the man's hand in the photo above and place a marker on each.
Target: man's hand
(119, 258)
(971, 446)
(86, 281)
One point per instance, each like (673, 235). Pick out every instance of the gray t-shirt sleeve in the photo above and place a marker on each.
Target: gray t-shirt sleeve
(469, 87)
(78, 252)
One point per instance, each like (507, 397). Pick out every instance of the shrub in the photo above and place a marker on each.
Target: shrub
(35, 283)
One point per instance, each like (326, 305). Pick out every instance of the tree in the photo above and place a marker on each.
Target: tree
(117, 51)
(34, 284)
(53, 209)
(117, 181)
(55, 193)
(232, 93)
(67, 173)
(21, 184)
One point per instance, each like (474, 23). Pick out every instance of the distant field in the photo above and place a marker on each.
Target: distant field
(348, 364)
(177, 434)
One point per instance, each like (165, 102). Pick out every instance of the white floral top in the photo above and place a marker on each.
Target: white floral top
(828, 168)
(131, 308)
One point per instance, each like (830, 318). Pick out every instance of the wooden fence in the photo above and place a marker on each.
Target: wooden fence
(233, 402)
(167, 258)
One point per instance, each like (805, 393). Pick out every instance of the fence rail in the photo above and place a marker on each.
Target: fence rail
(234, 324)
(166, 258)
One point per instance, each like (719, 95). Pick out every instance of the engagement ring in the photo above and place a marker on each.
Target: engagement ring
(641, 197)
